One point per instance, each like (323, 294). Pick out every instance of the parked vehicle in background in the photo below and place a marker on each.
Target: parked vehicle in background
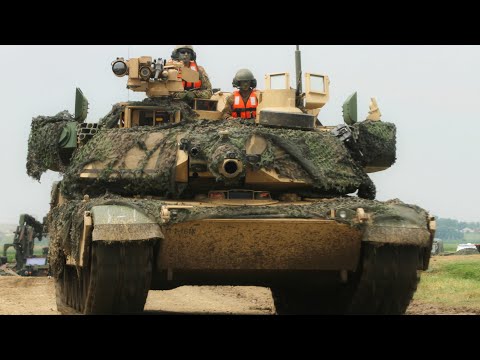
(437, 247)
(466, 246)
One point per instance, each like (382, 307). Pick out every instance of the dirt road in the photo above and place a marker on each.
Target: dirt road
(36, 296)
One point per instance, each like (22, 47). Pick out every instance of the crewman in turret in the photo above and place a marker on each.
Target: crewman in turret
(202, 89)
(243, 102)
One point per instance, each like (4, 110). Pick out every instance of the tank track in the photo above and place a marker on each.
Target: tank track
(384, 284)
(116, 281)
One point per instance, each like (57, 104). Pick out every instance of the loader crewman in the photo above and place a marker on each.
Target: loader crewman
(243, 102)
(202, 89)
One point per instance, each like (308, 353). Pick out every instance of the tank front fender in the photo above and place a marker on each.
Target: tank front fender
(123, 223)
(401, 225)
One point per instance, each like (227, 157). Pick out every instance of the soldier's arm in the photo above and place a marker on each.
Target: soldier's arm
(205, 91)
(227, 110)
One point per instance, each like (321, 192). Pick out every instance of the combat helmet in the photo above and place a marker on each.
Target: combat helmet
(244, 75)
(176, 55)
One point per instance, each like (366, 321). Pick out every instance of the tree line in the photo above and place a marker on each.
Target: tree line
(449, 229)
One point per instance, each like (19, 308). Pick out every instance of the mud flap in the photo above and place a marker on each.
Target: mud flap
(123, 223)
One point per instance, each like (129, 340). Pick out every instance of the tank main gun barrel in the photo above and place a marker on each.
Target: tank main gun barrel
(298, 72)
(231, 168)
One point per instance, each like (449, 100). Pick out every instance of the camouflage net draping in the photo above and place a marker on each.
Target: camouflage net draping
(111, 120)
(44, 153)
(315, 157)
(66, 221)
(43, 150)
(376, 140)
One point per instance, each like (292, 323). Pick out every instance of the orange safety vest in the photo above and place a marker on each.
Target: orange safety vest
(195, 85)
(245, 111)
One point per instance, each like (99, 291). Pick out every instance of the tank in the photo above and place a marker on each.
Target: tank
(158, 195)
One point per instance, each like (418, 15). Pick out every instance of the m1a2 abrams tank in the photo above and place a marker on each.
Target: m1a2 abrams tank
(159, 195)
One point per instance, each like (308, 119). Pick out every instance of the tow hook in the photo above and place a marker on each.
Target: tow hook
(362, 216)
(166, 214)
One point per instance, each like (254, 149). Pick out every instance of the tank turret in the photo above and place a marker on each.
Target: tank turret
(172, 195)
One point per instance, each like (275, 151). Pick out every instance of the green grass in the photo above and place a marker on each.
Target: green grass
(452, 281)
(464, 270)
(450, 247)
(37, 250)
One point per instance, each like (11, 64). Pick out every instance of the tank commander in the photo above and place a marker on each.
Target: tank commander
(243, 102)
(202, 89)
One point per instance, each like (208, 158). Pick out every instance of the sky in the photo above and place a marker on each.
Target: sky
(431, 93)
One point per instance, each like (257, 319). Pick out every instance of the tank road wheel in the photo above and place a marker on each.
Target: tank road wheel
(120, 277)
(384, 284)
(387, 281)
(116, 282)
(71, 290)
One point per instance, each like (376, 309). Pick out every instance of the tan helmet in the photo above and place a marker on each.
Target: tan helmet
(176, 55)
(244, 75)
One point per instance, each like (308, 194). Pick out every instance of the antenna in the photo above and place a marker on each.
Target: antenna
(128, 90)
(298, 70)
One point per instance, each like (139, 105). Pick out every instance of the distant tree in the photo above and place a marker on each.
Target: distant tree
(450, 229)
(448, 234)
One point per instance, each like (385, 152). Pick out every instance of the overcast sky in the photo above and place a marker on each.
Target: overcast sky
(431, 93)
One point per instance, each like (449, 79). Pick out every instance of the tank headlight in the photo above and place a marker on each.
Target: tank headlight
(345, 214)
(119, 68)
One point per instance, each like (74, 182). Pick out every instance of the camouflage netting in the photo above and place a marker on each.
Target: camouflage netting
(111, 120)
(111, 146)
(43, 150)
(66, 221)
(314, 157)
(377, 143)
(44, 153)
(318, 158)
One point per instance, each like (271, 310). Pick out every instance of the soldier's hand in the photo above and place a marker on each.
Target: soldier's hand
(186, 96)
(189, 96)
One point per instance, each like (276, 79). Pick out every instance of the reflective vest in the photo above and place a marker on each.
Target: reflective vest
(195, 85)
(245, 111)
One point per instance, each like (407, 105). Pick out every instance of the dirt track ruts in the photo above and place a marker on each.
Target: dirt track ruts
(36, 296)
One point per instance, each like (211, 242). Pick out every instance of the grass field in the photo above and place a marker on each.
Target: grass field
(450, 247)
(452, 281)
(37, 250)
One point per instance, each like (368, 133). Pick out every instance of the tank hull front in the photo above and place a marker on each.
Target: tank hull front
(318, 244)
(303, 244)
